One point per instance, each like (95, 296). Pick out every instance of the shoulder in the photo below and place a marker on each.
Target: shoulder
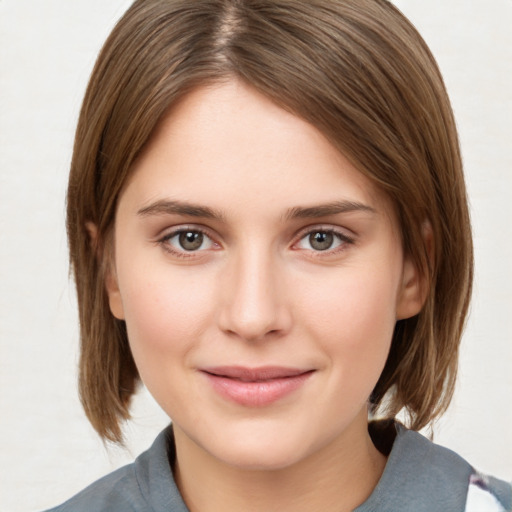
(147, 485)
(423, 476)
(453, 478)
(115, 492)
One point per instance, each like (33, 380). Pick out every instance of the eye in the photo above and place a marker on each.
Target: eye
(187, 240)
(190, 240)
(323, 240)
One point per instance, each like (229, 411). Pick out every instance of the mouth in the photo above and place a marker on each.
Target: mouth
(256, 387)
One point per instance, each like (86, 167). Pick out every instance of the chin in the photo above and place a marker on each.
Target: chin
(259, 459)
(266, 450)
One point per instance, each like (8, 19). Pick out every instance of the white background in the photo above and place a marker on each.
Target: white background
(47, 50)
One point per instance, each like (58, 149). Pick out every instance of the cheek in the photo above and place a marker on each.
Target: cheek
(354, 321)
(166, 315)
(166, 309)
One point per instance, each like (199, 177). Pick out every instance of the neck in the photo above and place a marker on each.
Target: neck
(338, 477)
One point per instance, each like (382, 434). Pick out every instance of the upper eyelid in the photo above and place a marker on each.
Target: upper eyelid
(168, 234)
(171, 231)
(329, 228)
(345, 240)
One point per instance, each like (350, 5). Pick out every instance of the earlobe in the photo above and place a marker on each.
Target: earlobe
(415, 281)
(105, 260)
(413, 292)
(114, 295)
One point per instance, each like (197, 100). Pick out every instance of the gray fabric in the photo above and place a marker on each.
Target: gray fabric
(147, 485)
(419, 476)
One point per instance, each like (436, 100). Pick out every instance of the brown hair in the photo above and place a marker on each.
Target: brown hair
(355, 69)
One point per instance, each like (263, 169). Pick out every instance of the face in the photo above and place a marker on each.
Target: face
(260, 276)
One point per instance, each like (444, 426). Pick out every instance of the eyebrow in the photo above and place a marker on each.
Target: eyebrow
(324, 210)
(168, 207)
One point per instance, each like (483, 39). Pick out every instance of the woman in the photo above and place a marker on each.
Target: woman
(268, 226)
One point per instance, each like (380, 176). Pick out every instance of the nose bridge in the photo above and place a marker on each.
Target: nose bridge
(254, 304)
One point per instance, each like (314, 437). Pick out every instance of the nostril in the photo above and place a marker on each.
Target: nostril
(252, 307)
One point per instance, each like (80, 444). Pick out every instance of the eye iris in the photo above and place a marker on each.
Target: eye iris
(191, 240)
(321, 240)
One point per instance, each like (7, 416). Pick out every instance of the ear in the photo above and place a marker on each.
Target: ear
(106, 261)
(415, 283)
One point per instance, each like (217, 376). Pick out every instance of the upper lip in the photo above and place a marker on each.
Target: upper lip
(254, 374)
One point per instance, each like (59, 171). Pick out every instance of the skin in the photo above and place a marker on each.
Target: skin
(258, 292)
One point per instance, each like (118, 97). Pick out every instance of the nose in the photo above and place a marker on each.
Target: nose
(254, 305)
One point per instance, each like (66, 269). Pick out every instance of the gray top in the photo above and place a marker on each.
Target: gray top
(419, 476)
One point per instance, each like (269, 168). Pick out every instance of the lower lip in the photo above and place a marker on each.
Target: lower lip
(256, 394)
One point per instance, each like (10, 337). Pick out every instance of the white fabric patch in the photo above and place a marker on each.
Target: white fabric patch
(480, 500)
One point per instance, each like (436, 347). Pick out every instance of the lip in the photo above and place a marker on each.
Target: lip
(255, 387)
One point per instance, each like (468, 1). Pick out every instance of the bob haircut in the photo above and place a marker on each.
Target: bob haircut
(360, 73)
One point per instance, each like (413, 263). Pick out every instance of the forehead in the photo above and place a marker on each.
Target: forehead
(227, 144)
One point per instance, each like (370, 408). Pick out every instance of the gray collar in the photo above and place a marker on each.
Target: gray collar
(419, 476)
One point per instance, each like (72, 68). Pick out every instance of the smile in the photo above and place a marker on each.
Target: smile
(255, 387)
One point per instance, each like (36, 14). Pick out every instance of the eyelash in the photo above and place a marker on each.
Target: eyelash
(342, 238)
(165, 241)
